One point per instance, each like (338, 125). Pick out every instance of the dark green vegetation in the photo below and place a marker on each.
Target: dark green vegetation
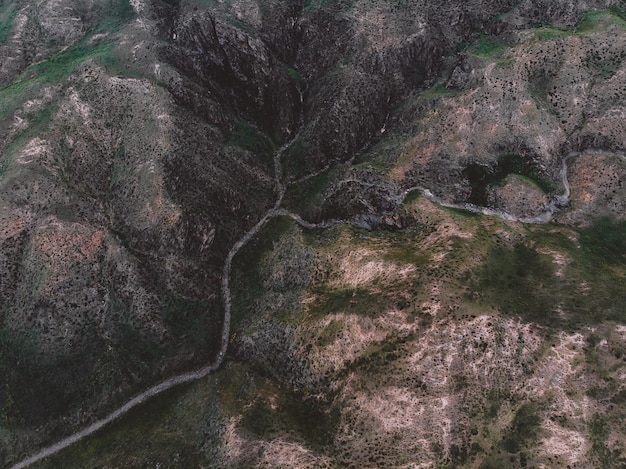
(518, 281)
(350, 300)
(195, 324)
(604, 242)
(32, 396)
(246, 279)
(521, 281)
(605, 457)
(159, 430)
(308, 418)
(305, 198)
(51, 71)
(548, 33)
(249, 138)
(185, 426)
(481, 177)
(524, 428)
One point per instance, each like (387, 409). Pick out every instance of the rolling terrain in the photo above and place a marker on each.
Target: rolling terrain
(326, 233)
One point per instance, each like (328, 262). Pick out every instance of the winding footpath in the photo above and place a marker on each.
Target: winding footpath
(556, 204)
(190, 376)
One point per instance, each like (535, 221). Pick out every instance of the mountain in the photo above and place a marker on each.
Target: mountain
(406, 220)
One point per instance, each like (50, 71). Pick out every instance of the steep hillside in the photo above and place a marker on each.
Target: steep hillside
(437, 279)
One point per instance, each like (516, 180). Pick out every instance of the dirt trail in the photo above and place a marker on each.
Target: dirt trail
(556, 204)
(190, 376)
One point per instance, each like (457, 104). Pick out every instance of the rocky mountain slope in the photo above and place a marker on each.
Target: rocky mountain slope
(444, 287)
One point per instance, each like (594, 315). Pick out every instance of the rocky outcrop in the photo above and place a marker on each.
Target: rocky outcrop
(256, 83)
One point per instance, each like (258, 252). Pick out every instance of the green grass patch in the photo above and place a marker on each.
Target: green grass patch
(462, 213)
(349, 300)
(547, 33)
(521, 280)
(7, 16)
(618, 12)
(600, 20)
(375, 164)
(412, 197)
(295, 75)
(51, 71)
(488, 48)
(518, 281)
(249, 138)
(401, 248)
(605, 241)
(305, 197)
(437, 91)
(60, 66)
